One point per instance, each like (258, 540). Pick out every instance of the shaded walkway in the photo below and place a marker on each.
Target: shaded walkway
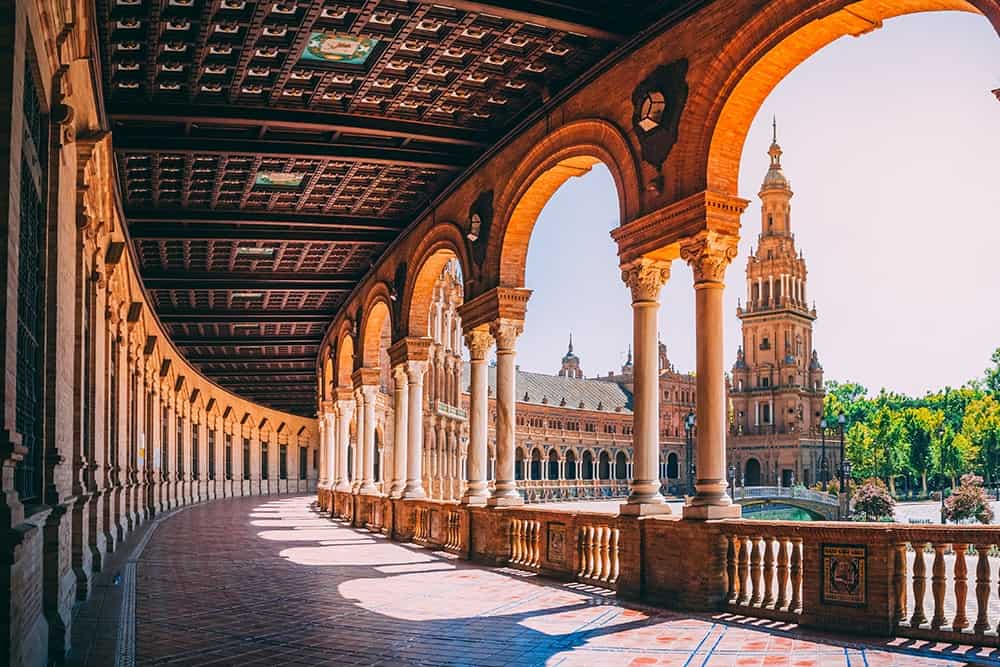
(271, 582)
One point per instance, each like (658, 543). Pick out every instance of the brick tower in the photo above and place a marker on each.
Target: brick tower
(777, 383)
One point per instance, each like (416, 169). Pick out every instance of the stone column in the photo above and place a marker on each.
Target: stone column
(329, 444)
(359, 438)
(441, 471)
(645, 278)
(709, 253)
(505, 332)
(321, 424)
(414, 488)
(400, 423)
(345, 410)
(367, 445)
(479, 342)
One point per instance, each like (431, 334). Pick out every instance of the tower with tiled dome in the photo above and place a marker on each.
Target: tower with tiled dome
(777, 380)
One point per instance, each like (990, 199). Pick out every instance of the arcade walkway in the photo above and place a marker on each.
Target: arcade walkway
(253, 581)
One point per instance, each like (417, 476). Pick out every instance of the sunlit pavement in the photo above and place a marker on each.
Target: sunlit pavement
(272, 582)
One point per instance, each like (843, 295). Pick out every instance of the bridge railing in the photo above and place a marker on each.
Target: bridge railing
(745, 492)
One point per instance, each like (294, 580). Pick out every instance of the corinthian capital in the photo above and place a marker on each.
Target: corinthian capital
(709, 254)
(479, 342)
(506, 331)
(645, 278)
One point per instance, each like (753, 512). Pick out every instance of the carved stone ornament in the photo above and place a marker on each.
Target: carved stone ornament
(505, 332)
(657, 103)
(709, 254)
(645, 278)
(479, 342)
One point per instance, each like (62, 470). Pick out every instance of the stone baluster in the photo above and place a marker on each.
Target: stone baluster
(769, 543)
(613, 553)
(919, 585)
(982, 590)
(796, 572)
(757, 571)
(732, 590)
(899, 582)
(744, 569)
(938, 585)
(960, 576)
(782, 600)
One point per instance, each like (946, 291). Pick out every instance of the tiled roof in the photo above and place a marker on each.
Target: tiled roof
(610, 396)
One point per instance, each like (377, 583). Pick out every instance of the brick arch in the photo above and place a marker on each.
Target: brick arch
(327, 377)
(377, 313)
(442, 245)
(768, 47)
(570, 150)
(345, 356)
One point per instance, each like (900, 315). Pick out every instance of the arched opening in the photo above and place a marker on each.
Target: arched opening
(673, 470)
(536, 464)
(587, 465)
(433, 298)
(569, 468)
(377, 467)
(621, 466)
(604, 466)
(519, 464)
(553, 468)
(751, 476)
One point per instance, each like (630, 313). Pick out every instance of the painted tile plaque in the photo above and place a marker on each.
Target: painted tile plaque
(844, 576)
(557, 543)
(278, 179)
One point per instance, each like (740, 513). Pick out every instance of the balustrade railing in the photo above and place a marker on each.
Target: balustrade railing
(599, 554)
(764, 571)
(554, 490)
(421, 524)
(935, 569)
(524, 542)
(453, 531)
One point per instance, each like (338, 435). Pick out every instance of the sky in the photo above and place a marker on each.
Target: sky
(892, 146)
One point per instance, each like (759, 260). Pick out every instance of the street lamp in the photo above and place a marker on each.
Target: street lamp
(822, 460)
(689, 424)
(732, 476)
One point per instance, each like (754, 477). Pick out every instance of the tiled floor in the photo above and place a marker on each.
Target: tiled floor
(269, 582)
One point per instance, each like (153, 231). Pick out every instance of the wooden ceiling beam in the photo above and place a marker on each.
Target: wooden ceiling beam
(244, 341)
(165, 231)
(259, 218)
(209, 360)
(251, 282)
(298, 120)
(130, 143)
(292, 372)
(229, 317)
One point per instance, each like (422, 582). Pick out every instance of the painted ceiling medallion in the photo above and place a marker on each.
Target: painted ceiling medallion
(335, 48)
(278, 179)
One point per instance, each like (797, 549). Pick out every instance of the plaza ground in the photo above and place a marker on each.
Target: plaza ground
(254, 581)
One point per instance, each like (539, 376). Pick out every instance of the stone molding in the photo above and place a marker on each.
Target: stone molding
(510, 303)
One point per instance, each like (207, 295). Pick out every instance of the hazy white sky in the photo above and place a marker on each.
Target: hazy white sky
(892, 146)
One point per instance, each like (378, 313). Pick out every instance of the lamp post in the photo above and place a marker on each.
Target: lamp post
(822, 460)
(732, 477)
(845, 470)
(689, 424)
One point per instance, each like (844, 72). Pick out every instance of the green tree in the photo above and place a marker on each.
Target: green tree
(953, 453)
(981, 425)
(919, 427)
(892, 450)
(859, 445)
(993, 373)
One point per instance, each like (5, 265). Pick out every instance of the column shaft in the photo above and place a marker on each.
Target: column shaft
(414, 488)
(505, 490)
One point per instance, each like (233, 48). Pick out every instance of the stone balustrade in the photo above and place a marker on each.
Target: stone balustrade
(922, 582)
(550, 490)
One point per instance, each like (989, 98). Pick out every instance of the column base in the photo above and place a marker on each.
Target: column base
(414, 493)
(709, 512)
(368, 490)
(505, 501)
(644, 509)
(343, 487)
(475, 500)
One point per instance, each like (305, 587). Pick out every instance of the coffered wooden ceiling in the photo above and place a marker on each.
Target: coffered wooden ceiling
(268, 151)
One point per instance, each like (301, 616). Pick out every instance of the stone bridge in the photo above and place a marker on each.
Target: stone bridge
(820, 505)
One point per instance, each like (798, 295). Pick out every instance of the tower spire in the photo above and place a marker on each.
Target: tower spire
(774, 129)
(570, 351)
